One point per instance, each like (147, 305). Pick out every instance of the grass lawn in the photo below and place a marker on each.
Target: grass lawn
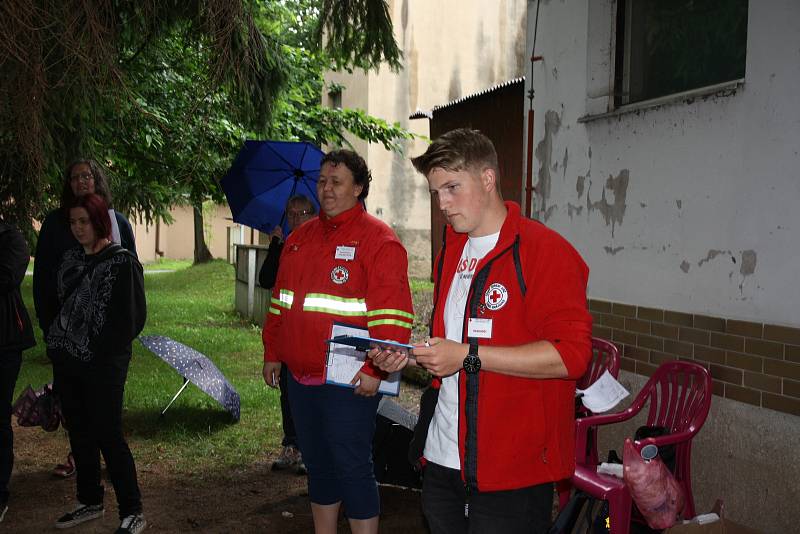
(167, 265)
(193, 305)
(160, 264)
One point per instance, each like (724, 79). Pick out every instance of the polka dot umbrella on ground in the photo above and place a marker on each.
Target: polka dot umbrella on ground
(195, 368)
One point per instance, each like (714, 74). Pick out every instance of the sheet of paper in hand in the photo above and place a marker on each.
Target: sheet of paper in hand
(345, 360)
(604, 394)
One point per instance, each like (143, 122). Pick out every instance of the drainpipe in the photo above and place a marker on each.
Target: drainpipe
(529, 148)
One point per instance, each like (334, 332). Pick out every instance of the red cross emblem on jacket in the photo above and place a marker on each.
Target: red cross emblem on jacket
(339, 275)
(496, 296)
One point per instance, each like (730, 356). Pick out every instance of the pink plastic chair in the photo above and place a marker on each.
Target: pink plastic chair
(679, 394)
(605, 356)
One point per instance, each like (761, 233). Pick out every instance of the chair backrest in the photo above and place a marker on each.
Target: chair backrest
(604, 356)
(679, 397)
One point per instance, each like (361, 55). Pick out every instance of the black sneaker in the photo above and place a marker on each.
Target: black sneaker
(300, 467)
(81, 514)
(131, 524)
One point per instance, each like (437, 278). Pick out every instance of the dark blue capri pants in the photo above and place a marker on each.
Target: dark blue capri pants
(335, 428)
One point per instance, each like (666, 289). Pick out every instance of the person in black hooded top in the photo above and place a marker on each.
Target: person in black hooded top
(16, 335)
(102, 309)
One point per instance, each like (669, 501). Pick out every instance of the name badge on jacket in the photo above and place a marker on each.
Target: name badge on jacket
(480, 328)
(345, 253)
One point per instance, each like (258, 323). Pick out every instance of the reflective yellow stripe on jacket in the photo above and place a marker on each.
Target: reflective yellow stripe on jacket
(285, 300)
(391, 316)
(354, 307)
(342, 306)
(320, 302)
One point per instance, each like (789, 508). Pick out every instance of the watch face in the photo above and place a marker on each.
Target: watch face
(472, 364)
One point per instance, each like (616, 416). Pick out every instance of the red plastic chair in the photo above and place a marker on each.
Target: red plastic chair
(679, 394)
(605, 356)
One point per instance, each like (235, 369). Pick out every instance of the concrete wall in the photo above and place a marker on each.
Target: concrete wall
(687, 205)
(452, 49)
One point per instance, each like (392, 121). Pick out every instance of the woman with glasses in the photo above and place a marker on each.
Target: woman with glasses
(299, 209)
(81, 177)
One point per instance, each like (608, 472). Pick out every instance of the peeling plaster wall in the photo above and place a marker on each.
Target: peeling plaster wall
(691, 205)
(451, 49)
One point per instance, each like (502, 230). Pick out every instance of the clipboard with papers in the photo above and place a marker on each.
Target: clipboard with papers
(344, 360)
(368, 343)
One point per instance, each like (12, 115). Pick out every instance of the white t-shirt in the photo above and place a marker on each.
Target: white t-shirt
(441, 447)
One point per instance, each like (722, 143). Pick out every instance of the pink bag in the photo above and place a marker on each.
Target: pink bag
(655, 491)
(38, 408)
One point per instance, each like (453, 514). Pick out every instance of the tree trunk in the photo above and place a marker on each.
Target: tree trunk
(201, 252)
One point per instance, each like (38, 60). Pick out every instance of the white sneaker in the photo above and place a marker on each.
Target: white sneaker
(132, 524)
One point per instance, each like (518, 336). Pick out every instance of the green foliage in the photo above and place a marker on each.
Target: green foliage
(180, 129)
(350, 36)
(70, 85)
(164, 92)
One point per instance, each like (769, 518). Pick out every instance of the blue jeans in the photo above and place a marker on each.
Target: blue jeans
(335, 428)
(9, 371)
(524, 511)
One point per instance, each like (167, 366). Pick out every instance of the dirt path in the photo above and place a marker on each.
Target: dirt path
(255, 500)
(251, 500)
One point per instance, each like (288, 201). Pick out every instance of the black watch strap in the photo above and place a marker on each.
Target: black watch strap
(472, 363)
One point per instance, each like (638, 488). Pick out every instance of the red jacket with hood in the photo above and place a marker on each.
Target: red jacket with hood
(516, 432)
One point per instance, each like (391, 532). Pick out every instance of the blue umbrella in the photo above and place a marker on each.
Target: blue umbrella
(196, 368)
(264, 175)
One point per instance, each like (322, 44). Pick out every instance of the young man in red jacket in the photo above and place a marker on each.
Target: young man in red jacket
(511, 334)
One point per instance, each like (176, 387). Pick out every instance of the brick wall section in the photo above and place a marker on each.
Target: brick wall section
(750, 362)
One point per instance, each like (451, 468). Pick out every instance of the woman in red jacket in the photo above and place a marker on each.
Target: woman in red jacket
(344, 266)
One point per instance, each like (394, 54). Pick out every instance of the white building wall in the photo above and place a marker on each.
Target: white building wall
(691, 205)
(451, 48)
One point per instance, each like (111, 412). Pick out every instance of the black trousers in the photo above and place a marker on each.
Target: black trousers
(289, 433)
(524, 511)
(93, 414)
(9, 371)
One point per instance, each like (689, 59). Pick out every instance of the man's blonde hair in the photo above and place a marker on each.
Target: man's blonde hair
(458, 150)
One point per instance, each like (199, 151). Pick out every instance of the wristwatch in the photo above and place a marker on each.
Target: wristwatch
(472, 363)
